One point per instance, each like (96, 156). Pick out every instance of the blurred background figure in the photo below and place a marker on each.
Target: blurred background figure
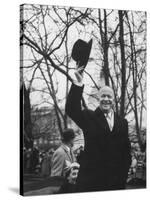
(133, 166)
(45, 166)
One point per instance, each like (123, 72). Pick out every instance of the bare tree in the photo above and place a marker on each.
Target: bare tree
(47, 35)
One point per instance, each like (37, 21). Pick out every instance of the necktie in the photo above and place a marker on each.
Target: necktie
(109, 120)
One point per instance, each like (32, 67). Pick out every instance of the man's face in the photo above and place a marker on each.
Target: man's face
(106, 98)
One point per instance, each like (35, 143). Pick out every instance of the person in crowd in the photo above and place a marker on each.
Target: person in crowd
(134, 165)
(106, 158)
(63, 162)
(34, 159)
(24, 158)
(45, 166)
(28, 160)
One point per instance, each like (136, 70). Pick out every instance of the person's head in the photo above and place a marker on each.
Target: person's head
(68, 136)
(106, 99)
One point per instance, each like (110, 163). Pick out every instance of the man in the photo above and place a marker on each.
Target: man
(63, 156)
(63, 161)
(106, 159)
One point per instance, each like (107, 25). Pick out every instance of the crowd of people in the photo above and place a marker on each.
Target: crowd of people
(47, 164)
(138, 163)
(39, 162)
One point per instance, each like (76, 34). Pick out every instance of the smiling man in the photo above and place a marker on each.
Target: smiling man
(106, 158)
(106, 99)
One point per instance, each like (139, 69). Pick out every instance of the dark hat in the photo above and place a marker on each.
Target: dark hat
(81, 52)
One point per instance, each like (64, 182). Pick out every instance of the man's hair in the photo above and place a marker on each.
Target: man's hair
(106, 88)
(67, 135)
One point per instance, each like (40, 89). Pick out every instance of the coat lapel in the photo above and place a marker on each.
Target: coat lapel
(116, 124)
(68, 154)
(101, 120)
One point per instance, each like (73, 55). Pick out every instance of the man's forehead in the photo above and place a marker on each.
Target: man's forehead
(106, 90)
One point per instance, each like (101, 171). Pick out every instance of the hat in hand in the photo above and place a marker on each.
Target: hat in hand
(81, 52)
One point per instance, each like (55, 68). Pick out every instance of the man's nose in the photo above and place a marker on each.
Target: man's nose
(106, 98)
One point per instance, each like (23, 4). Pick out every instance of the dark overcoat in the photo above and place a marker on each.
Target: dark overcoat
(106, 159)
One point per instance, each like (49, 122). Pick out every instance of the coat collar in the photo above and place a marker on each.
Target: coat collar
(69, 153)
(101, 120)
(100, 117)
(67, 150)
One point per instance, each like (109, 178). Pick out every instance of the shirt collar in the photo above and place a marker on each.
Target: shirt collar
(110, 114)
(67, 148)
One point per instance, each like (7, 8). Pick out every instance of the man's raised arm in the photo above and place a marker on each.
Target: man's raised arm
(73, 104)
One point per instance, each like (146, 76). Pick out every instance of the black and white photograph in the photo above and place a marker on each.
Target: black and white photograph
(83, 99)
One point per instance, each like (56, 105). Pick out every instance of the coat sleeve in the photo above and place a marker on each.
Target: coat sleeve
(57, 164)
(73, 105)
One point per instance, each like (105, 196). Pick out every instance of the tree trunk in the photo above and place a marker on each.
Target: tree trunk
(67, 81)
(105, 46)
(27, 124)
(134, 79)
(123, 64)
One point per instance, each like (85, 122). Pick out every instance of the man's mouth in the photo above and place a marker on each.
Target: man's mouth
(106, 103)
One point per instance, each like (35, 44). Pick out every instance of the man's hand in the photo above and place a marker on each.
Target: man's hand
(79, 76)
